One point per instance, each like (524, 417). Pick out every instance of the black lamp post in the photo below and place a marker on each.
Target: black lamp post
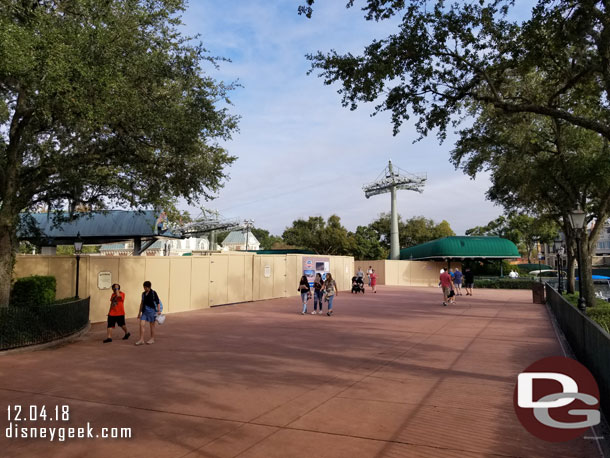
(78, 247)
(577, 220)
(558, 252)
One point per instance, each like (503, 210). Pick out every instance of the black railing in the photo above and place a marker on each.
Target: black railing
(589, 342)
(23, 326)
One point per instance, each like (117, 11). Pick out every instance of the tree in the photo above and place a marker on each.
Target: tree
(445, 57)
(366, 244)
(543, 166)
(265, 238)
(523, 230)
(411, 232)
(103, 104)
(468, 58)
(323, 237)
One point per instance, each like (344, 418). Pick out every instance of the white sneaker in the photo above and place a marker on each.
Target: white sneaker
(320, 312)
(313, 313)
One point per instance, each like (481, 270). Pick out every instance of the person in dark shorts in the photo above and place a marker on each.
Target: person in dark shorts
(468, 281)
(457, 282)
(150, 307)
(116, 314)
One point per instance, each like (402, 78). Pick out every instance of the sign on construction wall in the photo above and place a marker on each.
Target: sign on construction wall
(104, 280)
(313, 265)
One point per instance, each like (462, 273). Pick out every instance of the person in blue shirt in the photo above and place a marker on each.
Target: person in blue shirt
(457, 281)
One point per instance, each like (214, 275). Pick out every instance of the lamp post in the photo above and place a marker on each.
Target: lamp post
(78, 246)
(577, 220)
(558, 251)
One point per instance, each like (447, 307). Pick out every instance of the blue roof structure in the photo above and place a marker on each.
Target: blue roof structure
(94, 228)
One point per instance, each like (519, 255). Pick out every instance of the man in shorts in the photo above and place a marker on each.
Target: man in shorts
(116, 314)
(446, 285)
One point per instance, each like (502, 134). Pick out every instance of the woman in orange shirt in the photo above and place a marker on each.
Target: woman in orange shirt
(116, 314)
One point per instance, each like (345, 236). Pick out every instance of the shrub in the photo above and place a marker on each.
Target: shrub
(504, 283)
(601, 315)
(34, 290)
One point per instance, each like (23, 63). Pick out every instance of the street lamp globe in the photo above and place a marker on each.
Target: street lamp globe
(78, 244)
(577, 218)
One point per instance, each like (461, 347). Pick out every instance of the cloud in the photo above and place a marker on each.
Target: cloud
(300, 153)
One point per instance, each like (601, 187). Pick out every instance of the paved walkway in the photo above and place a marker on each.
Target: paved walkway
(393, 374)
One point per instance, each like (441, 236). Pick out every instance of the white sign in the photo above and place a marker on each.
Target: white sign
(104, 280)
(267, 271)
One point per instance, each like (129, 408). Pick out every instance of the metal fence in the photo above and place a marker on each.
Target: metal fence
(23, 326)
(589, 342)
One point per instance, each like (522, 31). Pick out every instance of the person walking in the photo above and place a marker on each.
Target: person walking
(116, 313)
(150, 307)
(468, 281)
(331, 291)
(457, 282)
(318, 293)
(305, 291)
(446, 286)
(368, 273)
(373, 281)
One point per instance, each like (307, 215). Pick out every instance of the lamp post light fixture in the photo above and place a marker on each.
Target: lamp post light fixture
(78, 247)
(577, 220)
(557, 244)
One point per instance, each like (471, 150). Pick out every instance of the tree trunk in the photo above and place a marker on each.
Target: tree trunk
(570, 267)
(8, 248)
(586, 272)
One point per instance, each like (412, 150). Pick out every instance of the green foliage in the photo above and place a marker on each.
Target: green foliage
(366, 244)
(105, 104)
(521, 229)
(33, 291)
(504, 283)
(265, 238)
(324, 237)
(600, 313)
(69, 249)
(413, 231)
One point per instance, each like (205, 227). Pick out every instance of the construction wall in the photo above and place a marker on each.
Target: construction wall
(183, 282)
(405, 273)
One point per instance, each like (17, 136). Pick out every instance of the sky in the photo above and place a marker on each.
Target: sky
(300, 153)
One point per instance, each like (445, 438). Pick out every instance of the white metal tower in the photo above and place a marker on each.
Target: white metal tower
(391, 180)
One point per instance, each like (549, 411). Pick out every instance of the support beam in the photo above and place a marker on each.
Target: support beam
(394, 241)
(137, 246)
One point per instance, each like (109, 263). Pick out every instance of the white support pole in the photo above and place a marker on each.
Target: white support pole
(394, 243)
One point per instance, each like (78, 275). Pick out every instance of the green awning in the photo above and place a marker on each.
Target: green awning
(463, 247)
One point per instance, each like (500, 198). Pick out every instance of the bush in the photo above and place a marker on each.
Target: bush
(601, 315)
(34, 290)
(504, 283)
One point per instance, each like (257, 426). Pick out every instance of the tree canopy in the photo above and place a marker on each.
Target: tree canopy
(102, 104)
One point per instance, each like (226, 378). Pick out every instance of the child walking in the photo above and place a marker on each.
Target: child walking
(116, 314)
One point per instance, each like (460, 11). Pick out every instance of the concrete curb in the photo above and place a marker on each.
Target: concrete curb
(53, 343)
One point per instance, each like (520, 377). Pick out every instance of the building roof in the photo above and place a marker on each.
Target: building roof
(463, 247)
(239, 238)
(94, 228)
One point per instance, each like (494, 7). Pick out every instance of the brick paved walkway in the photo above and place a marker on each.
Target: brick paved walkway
(390, 375)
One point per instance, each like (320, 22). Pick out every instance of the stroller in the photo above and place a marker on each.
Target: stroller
(357, 285)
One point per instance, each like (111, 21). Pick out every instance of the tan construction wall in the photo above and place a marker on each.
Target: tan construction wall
(183, 282)
(405, 273)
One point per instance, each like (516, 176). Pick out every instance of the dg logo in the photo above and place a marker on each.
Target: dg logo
(557, 399)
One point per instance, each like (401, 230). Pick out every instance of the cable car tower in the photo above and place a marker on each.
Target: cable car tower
(391, 180)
